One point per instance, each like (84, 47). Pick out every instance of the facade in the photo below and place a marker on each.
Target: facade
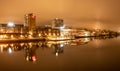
(10, 32)
(18, 28)
(30, 21)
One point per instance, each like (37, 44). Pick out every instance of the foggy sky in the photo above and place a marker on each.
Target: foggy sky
(76, 13)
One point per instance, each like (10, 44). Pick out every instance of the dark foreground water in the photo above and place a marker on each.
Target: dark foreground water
(84, 54)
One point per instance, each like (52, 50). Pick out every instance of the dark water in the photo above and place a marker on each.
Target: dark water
(84, 54)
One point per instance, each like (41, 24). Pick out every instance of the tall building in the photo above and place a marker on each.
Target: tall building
(57, 23)
(30, 21)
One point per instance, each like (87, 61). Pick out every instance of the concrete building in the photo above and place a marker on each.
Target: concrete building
(57, 23)
(29, 22)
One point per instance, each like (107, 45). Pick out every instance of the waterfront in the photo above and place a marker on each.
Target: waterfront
(83, 54)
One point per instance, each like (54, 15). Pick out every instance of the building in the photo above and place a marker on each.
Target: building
(9, 30)
(30, 21)
(57, 23)
(5, 28)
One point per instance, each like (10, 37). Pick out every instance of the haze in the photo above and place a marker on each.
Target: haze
(103, 14)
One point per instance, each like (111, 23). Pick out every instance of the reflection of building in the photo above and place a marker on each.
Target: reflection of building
(58, 48)
(30, 52)
(30, 21)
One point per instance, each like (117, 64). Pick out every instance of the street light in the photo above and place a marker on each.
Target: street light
(11, 24)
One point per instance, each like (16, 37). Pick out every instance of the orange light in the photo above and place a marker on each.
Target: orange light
(33, 58)
(33, 17)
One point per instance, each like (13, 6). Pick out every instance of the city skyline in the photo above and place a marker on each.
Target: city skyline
(101, 14)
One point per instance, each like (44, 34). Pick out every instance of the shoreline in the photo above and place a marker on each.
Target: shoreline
(44, 39)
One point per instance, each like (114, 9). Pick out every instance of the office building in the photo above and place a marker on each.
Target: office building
(30, 21)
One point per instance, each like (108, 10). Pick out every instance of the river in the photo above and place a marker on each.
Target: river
(83, 54)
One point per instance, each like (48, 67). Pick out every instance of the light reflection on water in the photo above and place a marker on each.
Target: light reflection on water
(57, 46)
(83, 54)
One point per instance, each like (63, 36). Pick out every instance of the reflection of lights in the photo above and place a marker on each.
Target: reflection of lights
(33, 58)
(86, 40)
(12, 45)
(56, 53)
(10, 50)
(27, 58)
(1, 48)
(61, 45)
(30, 33)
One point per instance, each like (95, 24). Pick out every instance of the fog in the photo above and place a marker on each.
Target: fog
(102, 14)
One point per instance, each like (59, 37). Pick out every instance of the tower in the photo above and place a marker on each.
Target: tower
(30, 21)
(57, 23)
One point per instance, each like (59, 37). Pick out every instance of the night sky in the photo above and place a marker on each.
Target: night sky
(101, 14)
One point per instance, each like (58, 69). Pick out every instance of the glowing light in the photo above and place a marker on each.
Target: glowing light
(30, 36)
(27, 58)
(56, 54)
(33, 17)
(61, 45)
(33, 58)
(21, 36)
(12, 36)
(1, 48)
(62, 27)
(1, 36)
(12, 45)
(86, 40)
(86, 33)
(10, 50)
(5, 36)
(39, 34)
(21, 44)
(30, 33)
(11, 24)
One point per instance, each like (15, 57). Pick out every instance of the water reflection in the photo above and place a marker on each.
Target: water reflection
(31, 47)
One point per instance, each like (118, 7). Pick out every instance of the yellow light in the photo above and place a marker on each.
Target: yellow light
(5, 36)
(39, 34)
(12, 36)
(27, 58)
(56, 54)
(1, 48)
(30, 36)
(30, 33)
(21, 44)
(10, 50)
(21, 36)
(12, 45)
(1, 36)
